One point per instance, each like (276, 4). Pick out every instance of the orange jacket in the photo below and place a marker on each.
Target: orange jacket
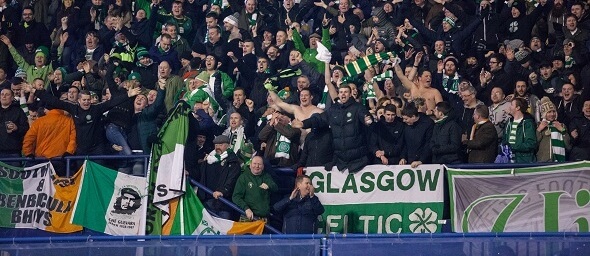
(51, 136)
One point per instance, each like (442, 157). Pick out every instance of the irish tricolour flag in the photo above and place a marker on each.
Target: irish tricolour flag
(192, 218)
(111, 202)
(33, 198)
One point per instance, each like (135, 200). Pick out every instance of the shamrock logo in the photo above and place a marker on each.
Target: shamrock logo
(423, 221)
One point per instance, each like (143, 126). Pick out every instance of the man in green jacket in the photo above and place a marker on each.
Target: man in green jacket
(252, 191)
(310, 53)
(520, 133)
(40, 70)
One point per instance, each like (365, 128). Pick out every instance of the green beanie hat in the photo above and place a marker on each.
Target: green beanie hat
(63, 73)
(141, 52)
(42, 50)
(134, 76)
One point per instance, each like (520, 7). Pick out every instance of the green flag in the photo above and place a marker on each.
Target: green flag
(166, 171)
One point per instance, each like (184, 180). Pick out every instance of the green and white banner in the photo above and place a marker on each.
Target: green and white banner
(540, 199)
(380, 199)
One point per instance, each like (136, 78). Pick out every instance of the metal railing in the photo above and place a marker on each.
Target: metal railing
(371, 244)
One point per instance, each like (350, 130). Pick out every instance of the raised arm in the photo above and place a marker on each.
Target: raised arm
(414, 70)
(331, 88)
(405, 81)
(281, 104)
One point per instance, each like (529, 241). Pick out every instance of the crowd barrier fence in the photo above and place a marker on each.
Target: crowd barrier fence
(500, 244)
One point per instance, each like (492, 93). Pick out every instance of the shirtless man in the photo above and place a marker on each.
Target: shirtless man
(421, 89)
(301, 112)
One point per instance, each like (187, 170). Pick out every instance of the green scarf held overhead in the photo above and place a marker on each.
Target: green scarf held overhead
(368, 93)
(384, 76)
(285, 73)
(322, 103)
(557, 144)
(252, 17)
(357, 67)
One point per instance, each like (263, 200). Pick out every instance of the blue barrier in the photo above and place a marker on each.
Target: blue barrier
(378, 244)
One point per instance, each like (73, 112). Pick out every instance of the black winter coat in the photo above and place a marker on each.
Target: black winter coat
(220, 176)
(12, 143)
(318, 149)
(300, 214)
(446, 142)
(389, 138)
(347, 121)
(417, 140)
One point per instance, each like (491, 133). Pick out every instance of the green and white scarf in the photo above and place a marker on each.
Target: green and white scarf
(237, 138)
(512, 134)
(252, 17)
(454, 85)
(569, 62)
(356, 67)
(368, 93)
(213, 157)
(384, 76)
(322, 103)
(285, 73)
(557, 144)
(282, 146)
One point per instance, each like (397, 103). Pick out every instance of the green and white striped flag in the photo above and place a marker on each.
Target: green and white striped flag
(111, 202)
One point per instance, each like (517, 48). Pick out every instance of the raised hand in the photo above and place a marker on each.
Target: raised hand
(325, 21)
(5, 40)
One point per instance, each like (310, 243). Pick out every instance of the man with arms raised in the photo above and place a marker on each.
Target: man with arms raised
(422, 89)
(302, 111)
